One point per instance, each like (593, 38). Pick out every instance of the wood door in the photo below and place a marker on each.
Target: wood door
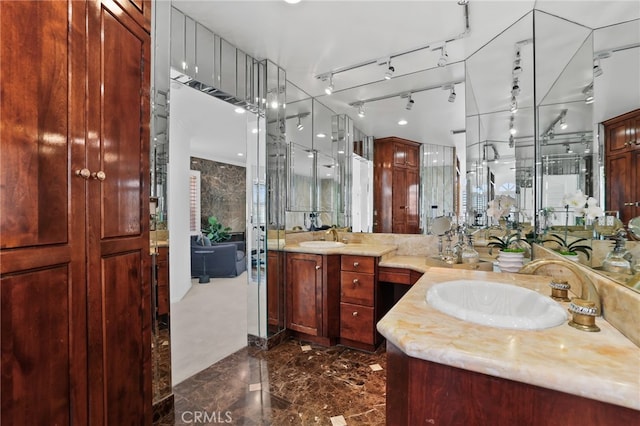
(617, 134)
(618, 182)
(399, 201)
(42, 225)
(118, 218)
(304, 293)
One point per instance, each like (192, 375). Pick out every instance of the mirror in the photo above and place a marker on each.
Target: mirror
(571, 101)
(499, 126)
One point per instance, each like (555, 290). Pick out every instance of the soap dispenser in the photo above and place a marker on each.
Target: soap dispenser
(469, 254)
(616, 261)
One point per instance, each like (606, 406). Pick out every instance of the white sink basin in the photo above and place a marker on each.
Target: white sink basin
(321, 244)
(496, 305)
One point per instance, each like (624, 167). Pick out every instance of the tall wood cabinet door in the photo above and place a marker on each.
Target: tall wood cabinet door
(304, 293)
(42, 248)
(399, 201)
(275, 289)
(618, 136)
(118, 218)
(618, 181)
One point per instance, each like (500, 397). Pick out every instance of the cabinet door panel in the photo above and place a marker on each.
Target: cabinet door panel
(617, 136)
(413, 201)
(118, 254)
(304, 286)
(42, 224)
(618, 177)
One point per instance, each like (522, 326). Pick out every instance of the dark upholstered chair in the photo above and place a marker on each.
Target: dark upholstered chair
(217, 260)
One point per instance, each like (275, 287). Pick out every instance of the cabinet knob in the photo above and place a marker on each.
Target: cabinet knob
(84, 173)
(629, 204)
(355, 282)
(355, 314)
(318, 267)
(99, 175)
(356, 264)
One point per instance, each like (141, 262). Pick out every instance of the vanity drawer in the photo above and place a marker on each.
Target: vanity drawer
(365, 264)
(357, 288)
(356, 323)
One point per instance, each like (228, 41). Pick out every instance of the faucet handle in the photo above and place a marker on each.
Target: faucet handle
(584, 315)
(559, 290)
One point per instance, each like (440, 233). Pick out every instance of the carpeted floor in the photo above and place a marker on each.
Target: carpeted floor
(208, 324)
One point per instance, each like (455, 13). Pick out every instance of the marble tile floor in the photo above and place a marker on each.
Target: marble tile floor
(295, 383)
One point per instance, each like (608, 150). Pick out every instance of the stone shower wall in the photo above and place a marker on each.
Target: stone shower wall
(222, 192)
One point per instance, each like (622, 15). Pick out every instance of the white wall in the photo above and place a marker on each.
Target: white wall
(178, 202)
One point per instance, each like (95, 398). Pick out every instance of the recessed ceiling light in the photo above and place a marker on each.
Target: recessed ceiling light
(402, 122)
(292, 1)
(321, 135)
(341, 152)
(240, 154)
(254, 131)
(240, 110)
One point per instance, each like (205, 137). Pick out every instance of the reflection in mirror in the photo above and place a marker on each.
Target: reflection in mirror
(500, 131)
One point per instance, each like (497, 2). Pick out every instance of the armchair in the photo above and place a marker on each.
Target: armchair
(217, 260)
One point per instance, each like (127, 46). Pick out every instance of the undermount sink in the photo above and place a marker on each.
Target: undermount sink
(496, 305)
(321, 244)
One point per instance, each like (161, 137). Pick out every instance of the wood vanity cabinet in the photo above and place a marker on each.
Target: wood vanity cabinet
(358, 299)
(313, 292)
(622, 161)
(396, 186)
(422, 392)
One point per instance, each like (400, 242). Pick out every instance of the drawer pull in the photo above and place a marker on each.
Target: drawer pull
(318, 267)
(355, 314)
(356, 282)
(356, 264)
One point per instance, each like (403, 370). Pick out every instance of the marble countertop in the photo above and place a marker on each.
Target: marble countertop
(602, 366)
(422, 263)
(357, 249)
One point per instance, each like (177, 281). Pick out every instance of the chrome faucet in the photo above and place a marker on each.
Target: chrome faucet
(334, 233)
(588, 290)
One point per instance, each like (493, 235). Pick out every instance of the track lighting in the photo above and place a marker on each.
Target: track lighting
(300, 126)
(514, 105)
(389, 73)
(410, 103)
(512, 130)
(444, 58)
(511, 141)
(515, 89)
(568, 149)
(563, 124)
(361, 113)
(452, 94)
(597, 69)
(329, 89)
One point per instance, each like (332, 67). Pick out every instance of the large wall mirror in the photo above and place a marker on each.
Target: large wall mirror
(499, 129)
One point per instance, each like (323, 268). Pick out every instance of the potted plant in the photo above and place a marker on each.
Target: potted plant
(215, 231)
(569, 250)
(511, 257)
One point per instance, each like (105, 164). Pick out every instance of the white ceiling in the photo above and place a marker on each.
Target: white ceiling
(316, 37)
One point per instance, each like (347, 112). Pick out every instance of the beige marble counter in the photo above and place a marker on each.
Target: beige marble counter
(603, 366)
(351, 248)
(422, 263)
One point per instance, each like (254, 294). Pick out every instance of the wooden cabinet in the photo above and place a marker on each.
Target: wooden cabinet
(421, 392)
(75, 271)
(358, 298)
(162, 280)
(275, 290)
(622, 160)
(313, 291)
(396, 191)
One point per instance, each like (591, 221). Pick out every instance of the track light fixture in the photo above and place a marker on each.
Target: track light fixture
(329, 89)
(514, 105)
(515, 88)
(568, 149)
(390, 70)
(452, 94)
(444, 57)
(300, 126)
(361, 112)
(597, 69)
(512, 129)
(410, 103)
(511, 141)
(563, 123)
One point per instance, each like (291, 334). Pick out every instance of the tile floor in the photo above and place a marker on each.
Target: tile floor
(295, 383)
